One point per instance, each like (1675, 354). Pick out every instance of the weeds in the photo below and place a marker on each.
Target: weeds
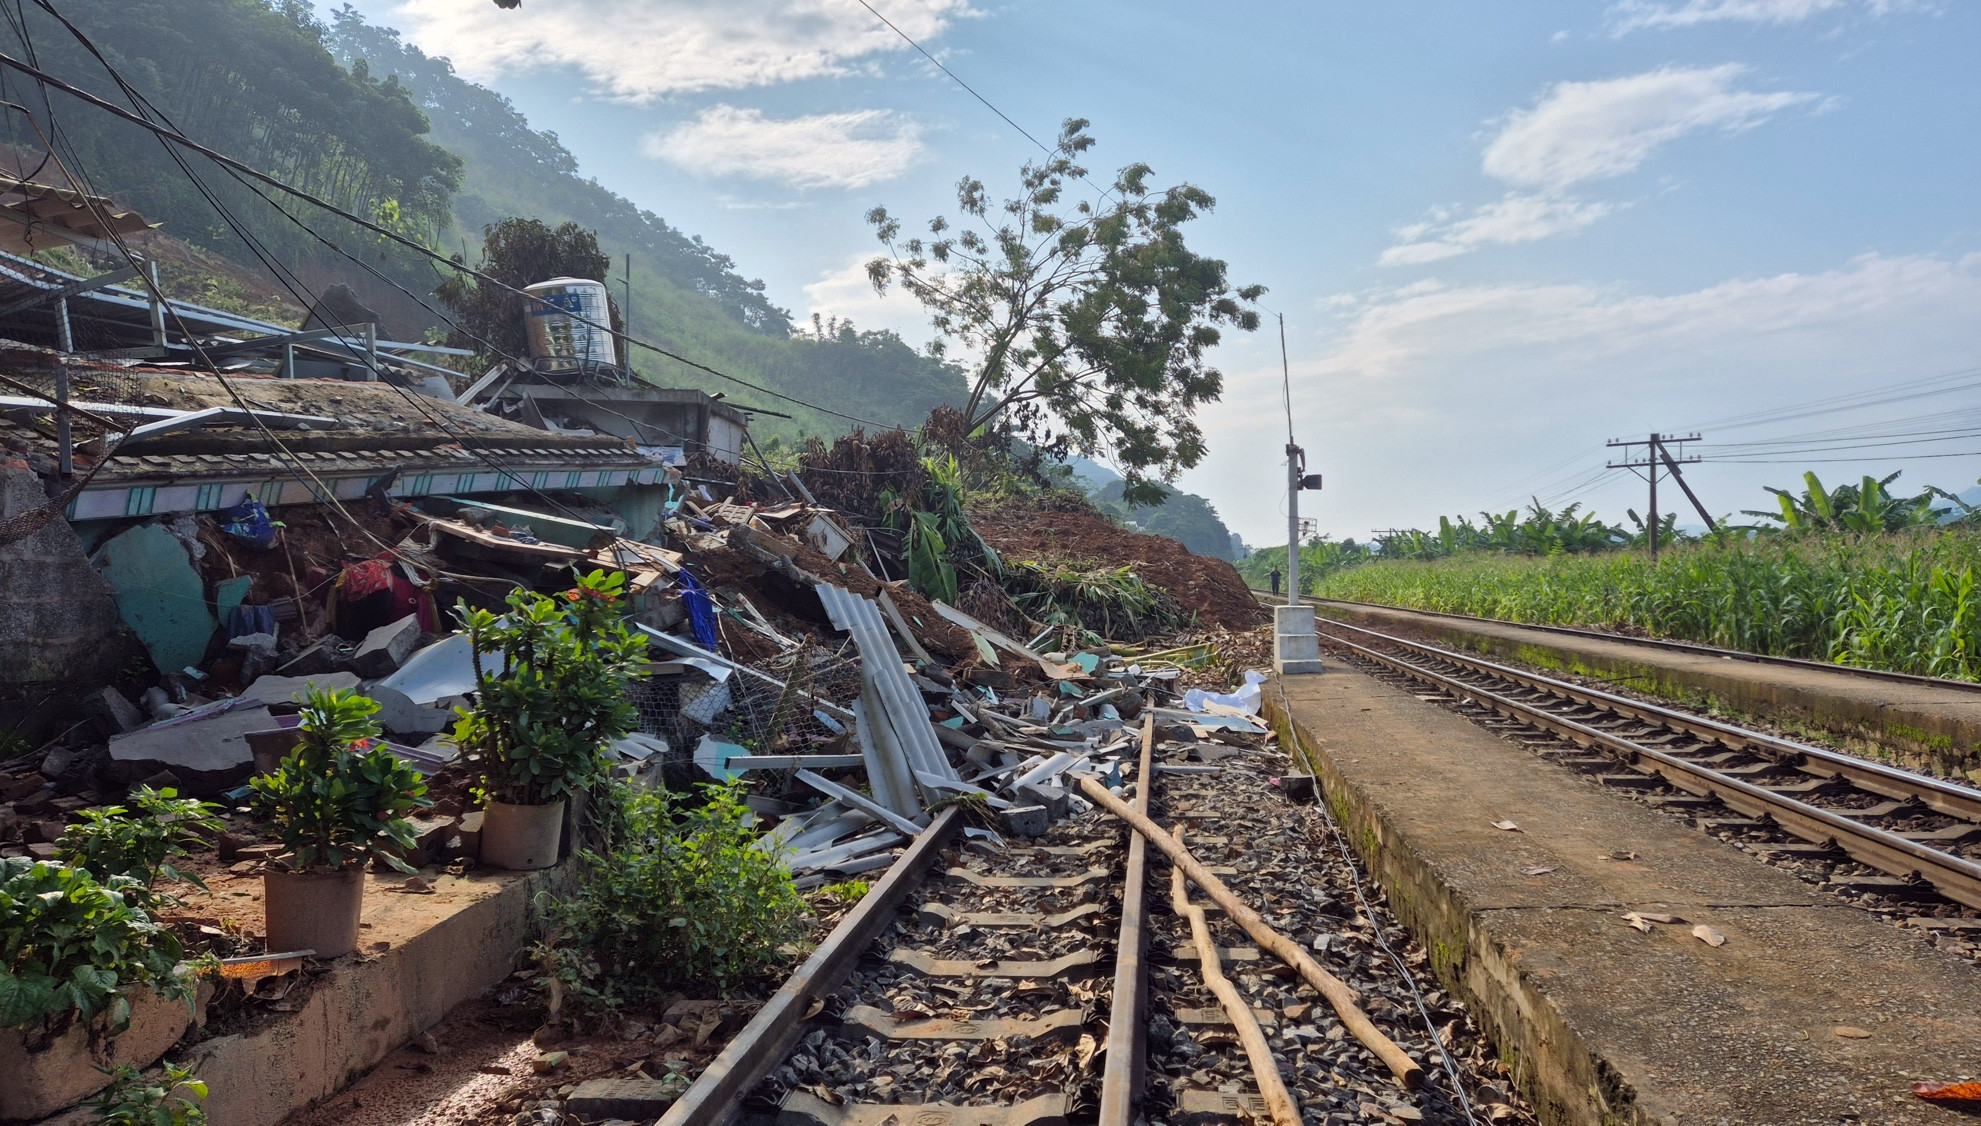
(1105, 602)
(133, 1100)
(683, 899)
(1902, 601)
(140, 840)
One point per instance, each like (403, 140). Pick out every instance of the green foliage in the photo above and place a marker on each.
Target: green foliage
(1184, 517)
(541, 719)
(686, 295)
(519, 253)
(1317, 558)
(1092, 321)
(338, 800)
(70, 946)
(252, 79)
(140, 840)
(1862, 508)
(1540, 532)
(846, 892)
(1904, 601)
(937, 532)
(1106, 603)
(682, 899)
(132, 1100)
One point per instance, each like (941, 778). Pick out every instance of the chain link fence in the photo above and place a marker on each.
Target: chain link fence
(787, 710)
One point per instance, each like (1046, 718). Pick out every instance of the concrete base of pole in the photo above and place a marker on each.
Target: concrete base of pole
(1296, 648)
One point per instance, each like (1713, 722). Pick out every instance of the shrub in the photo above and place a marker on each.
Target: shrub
(541, 720)
(683, 900)
(131, 1100)
(140, 840)
(70, 946)
(338, 799)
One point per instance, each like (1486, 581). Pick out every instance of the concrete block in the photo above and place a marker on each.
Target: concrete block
(34, 1084)
(468, 832)
(1056, 801)
(638, 1099)
(119, 709)
(1026, 820)
(1296, 648)
(208, 753)
(399, 715)
(59, 624)
(386, 648)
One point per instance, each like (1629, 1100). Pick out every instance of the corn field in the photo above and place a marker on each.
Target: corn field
(1904, 601)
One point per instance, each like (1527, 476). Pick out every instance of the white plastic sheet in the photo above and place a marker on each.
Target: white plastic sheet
(1246, 699)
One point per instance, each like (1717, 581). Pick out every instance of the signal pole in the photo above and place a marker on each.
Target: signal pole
(1658, 457)
(1296, 647)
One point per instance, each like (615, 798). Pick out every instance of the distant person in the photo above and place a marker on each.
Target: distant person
(1274, 576)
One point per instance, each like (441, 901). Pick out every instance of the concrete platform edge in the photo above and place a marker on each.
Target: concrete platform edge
(1565, 1079)
(365, 1009)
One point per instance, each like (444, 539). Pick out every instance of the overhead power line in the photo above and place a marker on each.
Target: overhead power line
(178, 138)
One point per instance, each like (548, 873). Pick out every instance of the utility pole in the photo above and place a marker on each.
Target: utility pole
(1296, 647)
(1658, 457)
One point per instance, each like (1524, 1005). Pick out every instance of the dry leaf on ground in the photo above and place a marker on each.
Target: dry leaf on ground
(1507, 825)
(1708, 935)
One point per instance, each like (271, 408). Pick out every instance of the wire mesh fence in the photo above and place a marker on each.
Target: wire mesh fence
(784, 706)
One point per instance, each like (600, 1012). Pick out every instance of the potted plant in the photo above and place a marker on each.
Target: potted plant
(85, 976)
(542, 718)
(336, 803)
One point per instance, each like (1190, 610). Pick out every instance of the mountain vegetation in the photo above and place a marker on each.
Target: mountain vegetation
(351, 113)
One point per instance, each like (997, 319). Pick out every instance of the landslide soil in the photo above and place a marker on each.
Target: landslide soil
(1207, 585)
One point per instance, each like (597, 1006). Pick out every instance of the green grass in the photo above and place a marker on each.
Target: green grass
(1905, 601)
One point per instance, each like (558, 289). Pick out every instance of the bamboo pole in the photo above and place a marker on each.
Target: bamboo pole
(1272, 1088)
(1337, 993)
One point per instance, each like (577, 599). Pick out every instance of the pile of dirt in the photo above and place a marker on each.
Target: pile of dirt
(1211, 587)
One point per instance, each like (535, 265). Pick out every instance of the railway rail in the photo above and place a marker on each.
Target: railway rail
(1689, 647)
(1924, 833)
(1028, 975)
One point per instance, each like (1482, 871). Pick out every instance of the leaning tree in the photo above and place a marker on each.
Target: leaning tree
(1085, 324)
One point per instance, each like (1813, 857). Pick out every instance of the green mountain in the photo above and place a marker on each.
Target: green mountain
(353, 114)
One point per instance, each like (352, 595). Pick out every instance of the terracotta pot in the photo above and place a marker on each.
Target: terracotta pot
(313, 911)
(522, 838)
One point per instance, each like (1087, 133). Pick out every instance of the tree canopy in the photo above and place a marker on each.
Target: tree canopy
(1087, 325)
(519, 253)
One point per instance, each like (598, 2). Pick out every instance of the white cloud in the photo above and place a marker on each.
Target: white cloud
(1632, 15)
(1519, 377)
(1519, 217)
(847, 294)
(826, 150)
(638, 50)
(1595, 130)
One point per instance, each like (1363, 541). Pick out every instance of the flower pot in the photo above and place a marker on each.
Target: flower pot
(522, 838)
(313, 910)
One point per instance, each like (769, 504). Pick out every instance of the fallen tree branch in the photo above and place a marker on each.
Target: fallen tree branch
(1337, 993)
(1272, 1088)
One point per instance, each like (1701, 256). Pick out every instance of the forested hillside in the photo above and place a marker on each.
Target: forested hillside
(350, 113)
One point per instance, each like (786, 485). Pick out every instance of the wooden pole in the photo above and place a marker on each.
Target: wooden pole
(1272, 1088)
(1337, 993)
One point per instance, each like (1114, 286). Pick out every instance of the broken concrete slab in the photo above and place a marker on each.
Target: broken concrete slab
(278, 690)
(207, 749)
(119, 710)
(399, 715)
(160, 594)
(638, 1099)
(386, 648)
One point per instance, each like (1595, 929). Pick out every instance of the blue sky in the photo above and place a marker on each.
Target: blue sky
(1500, 233)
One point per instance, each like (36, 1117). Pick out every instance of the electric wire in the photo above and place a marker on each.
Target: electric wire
(297, 289)
(480, 277)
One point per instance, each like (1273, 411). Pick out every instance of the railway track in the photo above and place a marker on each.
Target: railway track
(1852, 671)
(1922, 833)
(1020, 983)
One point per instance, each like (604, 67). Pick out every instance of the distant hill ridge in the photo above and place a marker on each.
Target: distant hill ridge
(351, 112)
